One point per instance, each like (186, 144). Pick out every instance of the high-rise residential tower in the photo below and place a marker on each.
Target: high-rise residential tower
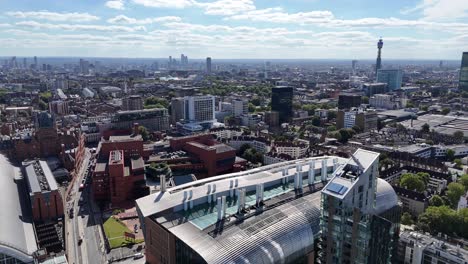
(463, 84)
(360, 214)
(282, 102)
(378, 64)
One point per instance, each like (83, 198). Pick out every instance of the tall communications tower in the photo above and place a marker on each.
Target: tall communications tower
(378, 65)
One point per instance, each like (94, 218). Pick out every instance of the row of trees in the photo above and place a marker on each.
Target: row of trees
(156, 102)
(442, 214)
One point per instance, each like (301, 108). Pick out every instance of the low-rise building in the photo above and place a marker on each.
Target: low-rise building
(260, 144)
(418, 248)
(45, 197)
(156, 119)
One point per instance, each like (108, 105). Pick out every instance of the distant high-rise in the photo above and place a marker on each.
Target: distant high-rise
(441, 64)
(240, 107)
(463, 84)
(354, 63)
(282, 102)
(378, 64)
(177, 110)
(392, 77)
(208, 65)
(35, 62)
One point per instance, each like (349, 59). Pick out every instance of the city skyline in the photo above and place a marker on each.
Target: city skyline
(227, 29)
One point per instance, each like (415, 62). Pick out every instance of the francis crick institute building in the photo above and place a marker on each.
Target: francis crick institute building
(313, 210)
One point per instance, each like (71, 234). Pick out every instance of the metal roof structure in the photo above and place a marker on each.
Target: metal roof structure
(280, 230)
(39, 176)
(17, 238)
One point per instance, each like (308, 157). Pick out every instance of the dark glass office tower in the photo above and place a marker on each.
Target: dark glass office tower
(282, 102)
(463, 85)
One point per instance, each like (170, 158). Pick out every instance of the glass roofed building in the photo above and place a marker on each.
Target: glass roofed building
(265, 215)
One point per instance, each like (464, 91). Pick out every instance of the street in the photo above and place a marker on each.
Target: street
(85, 223)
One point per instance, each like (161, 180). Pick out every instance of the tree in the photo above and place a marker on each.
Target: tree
(425, 128)
(436, 200)
(144, 133)
(156, 102)
(424, 176)
(331, 115)
(255, 101)
(365, 100)
(346, 134)
(412, 182)
(251, 108)
(316, 121)
(445, 111)
(438, 219)
(357, 129)
(406, 219)
(458, 163)
(450, 154)
(464, 181)
(459, 136)
(454, 192)
(243, 148)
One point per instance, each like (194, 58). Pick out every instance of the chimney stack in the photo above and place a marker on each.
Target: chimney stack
(135, 129)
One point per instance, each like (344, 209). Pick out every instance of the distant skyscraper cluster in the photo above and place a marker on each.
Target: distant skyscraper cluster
(183, 59)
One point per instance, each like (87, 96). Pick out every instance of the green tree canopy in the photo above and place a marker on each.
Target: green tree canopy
(464, 181)
(144, 133)
(156, 102)
(406, 219)
(450, 154)
(454, 192)
(436, 200)
(412, 181)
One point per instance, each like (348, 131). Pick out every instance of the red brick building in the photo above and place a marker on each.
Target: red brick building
(46, 201)
(119, 174)
(204, 153)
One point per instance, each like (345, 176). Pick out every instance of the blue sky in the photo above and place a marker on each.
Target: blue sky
(335, 29)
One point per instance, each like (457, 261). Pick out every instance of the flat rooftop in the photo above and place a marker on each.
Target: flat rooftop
(173, 198)
(39, 176)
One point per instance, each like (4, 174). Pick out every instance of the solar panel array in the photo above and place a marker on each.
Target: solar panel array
(336, 188)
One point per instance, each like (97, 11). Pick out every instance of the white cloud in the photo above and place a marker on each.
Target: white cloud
(227, 7)
(77, 27)
(54, 16)
(122, 19)
(440, 10)
(165, 3)
(116, 4)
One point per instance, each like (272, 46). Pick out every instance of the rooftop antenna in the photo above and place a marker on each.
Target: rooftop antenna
(356, 160)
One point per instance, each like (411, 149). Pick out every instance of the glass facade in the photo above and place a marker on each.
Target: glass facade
(464, 72)
(393, 78)
(282, 102)
(5, 259)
